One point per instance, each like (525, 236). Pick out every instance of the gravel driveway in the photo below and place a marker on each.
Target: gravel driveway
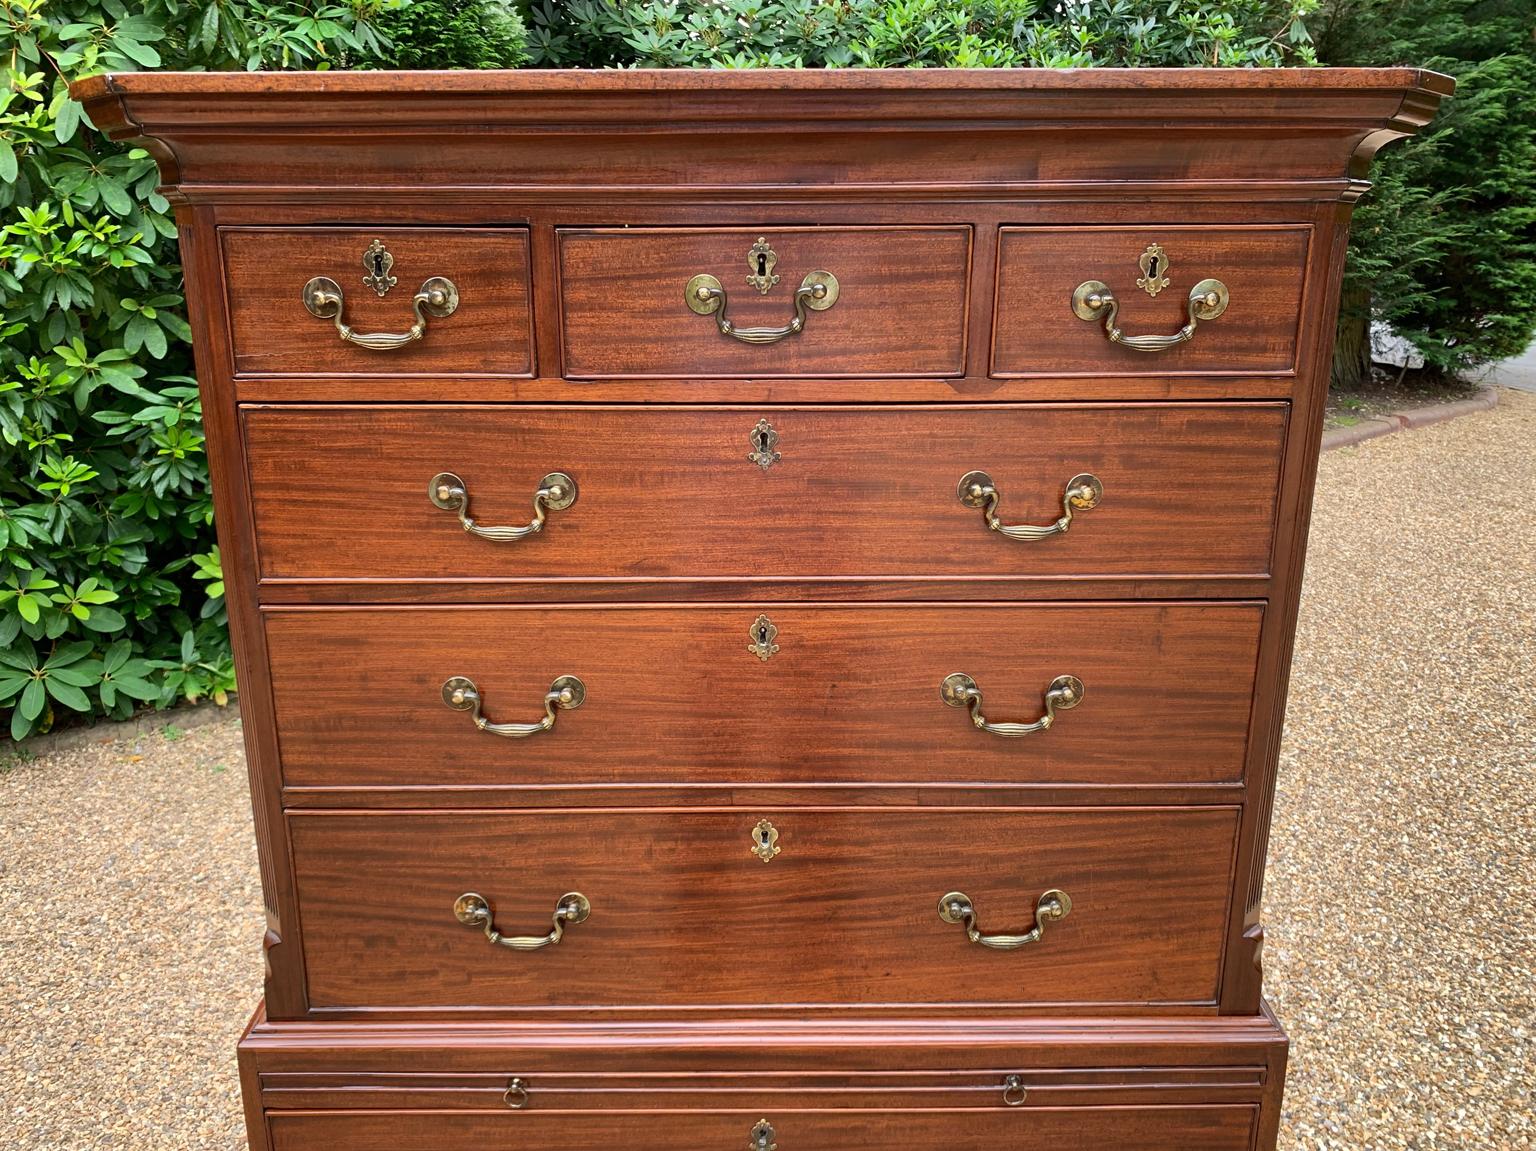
(1400, 909)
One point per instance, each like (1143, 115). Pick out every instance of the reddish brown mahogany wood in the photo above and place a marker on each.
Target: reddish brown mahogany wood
(900, 309)
(675, 696)
(685, 915)
(1225, 1128)
(1037, 333)
(962, 208)
(490, 332)
(1188, 490)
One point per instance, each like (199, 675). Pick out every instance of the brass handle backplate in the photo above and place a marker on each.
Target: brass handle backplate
(956, 907)
(1064, 693)
(556, 492)
(438, 298)
(1093, 300)
(706, 296)
(474, 910)
(976, 490)
(566, 693)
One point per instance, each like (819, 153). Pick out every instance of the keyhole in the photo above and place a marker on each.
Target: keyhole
(762, 263)
(762, 637)
(1152, 268)
(761, 438)
(378, 264)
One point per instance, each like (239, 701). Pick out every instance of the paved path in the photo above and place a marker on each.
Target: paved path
(1400, 910)
(1519, 372)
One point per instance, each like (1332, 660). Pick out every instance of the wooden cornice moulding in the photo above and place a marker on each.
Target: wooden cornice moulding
(1297, 133)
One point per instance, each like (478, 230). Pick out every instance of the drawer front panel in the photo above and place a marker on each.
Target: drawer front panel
(684, 912)
(900, 308)
(1036, 331)
(680, 696)
(343, 492)
(488, 333)
(1217, 1128)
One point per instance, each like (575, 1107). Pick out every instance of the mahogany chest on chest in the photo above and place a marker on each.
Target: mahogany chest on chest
(763, 600)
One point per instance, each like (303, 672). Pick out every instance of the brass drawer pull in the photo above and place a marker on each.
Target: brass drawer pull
(1083, 492)
(557, 491)
(1014, 1091)
(566, 693)
(705, 295)
(474, 910)
(516, 1094)
(438, 298)
(1093, 299)
(1064, 693)
(956, 907)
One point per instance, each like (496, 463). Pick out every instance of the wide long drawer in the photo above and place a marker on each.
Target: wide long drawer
(1219, 1128)
(798, 693)
(1107, 909)
(386, 492)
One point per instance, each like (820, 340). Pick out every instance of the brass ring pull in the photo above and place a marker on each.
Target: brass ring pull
(956, 907)
(1064, 693)
(438, 298)
(706, 296)
(1082, 493)
(1093, 299)
(1014, 1091)
(557, 491)
(566, 693)
(474, 910)
(516, 1094)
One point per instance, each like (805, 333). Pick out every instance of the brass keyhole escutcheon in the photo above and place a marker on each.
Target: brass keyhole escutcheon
(761, 260)
(764, 438)
(1154, 270)
(762, 633)
(762, 1137)
(377, 262)
(765, 841)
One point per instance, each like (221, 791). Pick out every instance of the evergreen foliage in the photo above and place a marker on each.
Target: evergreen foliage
(431, 34)
(917, 33)
(1444, 247)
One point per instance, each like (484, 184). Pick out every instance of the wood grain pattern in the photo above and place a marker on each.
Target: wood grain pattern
(1036, 332)
(674, 696)
(623, 312)
(765, 1091)
(685, 916)
(1040, 172)
(794, 129)
(342, 492)
(489, 333)
(1228, 1128)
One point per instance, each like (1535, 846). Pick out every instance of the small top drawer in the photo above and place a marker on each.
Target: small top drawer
(416, 301)
(1148, 300)
(775, 302)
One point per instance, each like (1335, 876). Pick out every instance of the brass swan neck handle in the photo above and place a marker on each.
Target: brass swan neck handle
(556, 492)
(566, 693)
(1063, 694)
(1094, 300)
(1053, 905)
(474, 910)
(706, 296)
(1082, 493)
(438, 299)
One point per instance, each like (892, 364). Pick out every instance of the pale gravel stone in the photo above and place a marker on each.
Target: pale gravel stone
(1400, 908)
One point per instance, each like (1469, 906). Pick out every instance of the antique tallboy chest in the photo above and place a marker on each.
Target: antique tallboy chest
(678, 712)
